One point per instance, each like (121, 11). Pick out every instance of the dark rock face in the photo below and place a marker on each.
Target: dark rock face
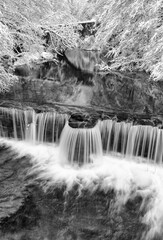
(128, 92)
(77, 120)
(84, 60)
(121, 93)
(108, 97)
(73, 81)
(22, 70)
(57, 215)
(42, 70)
(13, 172)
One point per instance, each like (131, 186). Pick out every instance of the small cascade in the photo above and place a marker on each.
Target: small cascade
(78, 144)
(114, 136)
(45, 126)
(31, 126)
(132, 140)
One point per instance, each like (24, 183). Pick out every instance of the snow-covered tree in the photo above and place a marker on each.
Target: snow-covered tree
(24, 25)
(131, 34)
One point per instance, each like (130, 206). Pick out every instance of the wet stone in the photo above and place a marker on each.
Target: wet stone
(82, 121)
(56, 215)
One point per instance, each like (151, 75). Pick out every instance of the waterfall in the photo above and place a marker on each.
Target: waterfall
(129, 180)
(77, 144)
(44, 127)
(102, 152)
(31, 126)
(132, 140)
(110, 137)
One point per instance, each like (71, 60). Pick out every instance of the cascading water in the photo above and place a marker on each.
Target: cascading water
(103, 152)
(44, 127)
(132, 140)
(31, 126)
(77, 145)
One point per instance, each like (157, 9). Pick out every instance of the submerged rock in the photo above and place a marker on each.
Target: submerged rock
(57, 215)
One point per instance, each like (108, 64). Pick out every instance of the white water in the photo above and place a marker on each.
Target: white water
(132, 140)
(138, 170)
(128, 178)
(77, 145)
(31, 126)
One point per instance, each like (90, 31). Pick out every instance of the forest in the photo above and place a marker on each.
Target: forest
(128, 34)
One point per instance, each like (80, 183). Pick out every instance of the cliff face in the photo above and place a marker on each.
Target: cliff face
(75, 77)
(85, 96)
(130, 93)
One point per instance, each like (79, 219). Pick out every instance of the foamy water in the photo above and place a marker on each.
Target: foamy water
(128, 178)
(78, 143)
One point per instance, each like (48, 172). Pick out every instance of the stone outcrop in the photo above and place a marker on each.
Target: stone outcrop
(131, 93)
(74, 81)
(118, 97)
(60, 216)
